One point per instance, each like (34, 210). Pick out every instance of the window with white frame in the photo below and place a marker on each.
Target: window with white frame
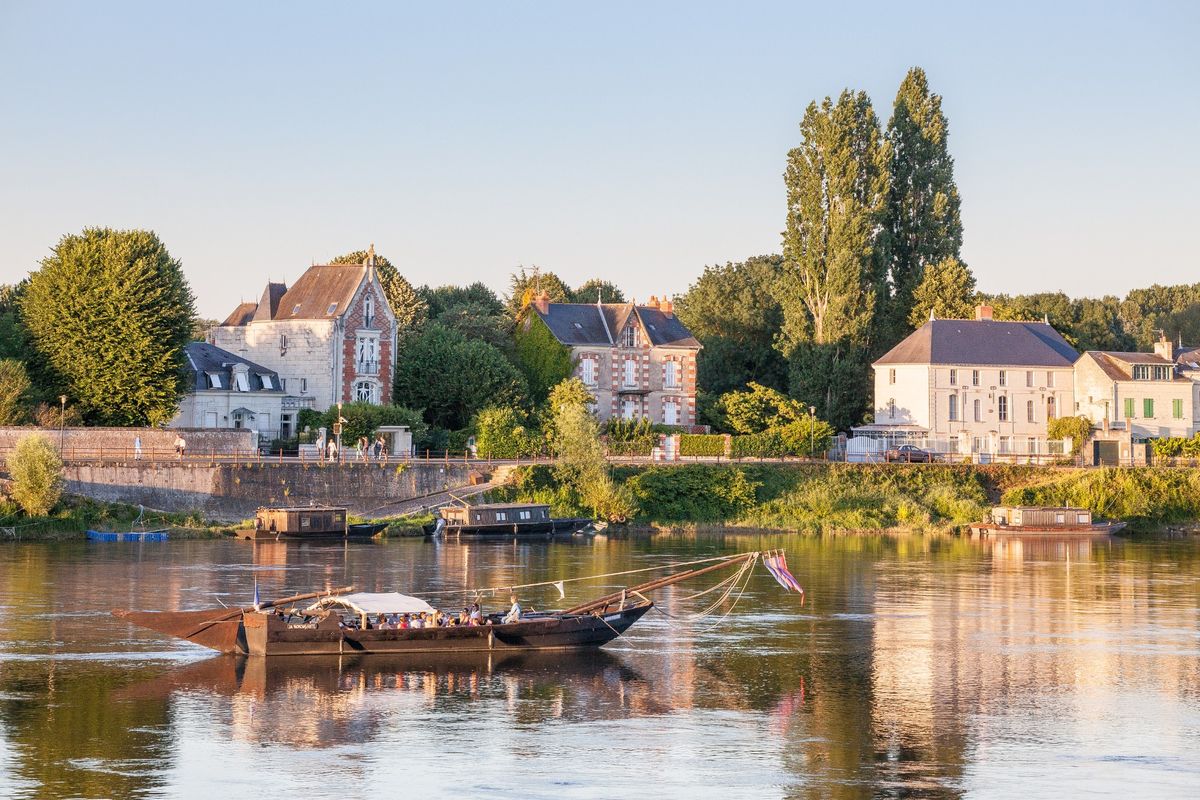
(953, 377)
(366, 355)
(1029, 411)
(266, 380)
(671, 374)
(1051, 408)
(368, 311)
(241, 380)
(630, 378)
(1004, 377)
(628, 408)
(629, 338)
(303, 385)
(978, 411)
(974, 377)
(214, 380)
(1029, 377)
(366, 392)
(1002, 407)
(954, 408)
(891, 376)
(588, 368)
(670, 412)
(1049, 378)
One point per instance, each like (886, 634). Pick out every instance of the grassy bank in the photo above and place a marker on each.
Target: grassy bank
(75, 515)
(869, 497)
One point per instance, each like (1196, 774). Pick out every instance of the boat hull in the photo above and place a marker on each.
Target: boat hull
(268, 634)
(506, 529)
(128, 536)
(1095, 529)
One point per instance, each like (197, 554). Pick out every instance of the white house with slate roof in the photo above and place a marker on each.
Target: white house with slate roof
(227, 391)
(974, 386)
(638, 360)
(331, 337)
(1148, 395)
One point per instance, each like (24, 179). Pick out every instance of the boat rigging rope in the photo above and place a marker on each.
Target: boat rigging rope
(494, 589)
(747, 572)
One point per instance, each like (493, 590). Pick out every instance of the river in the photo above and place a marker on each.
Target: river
(918, 666)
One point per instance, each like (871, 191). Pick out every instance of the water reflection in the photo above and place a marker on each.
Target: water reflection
(922, 666)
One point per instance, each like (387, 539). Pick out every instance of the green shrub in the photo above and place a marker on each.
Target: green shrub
(701, 444)
(1078, 428)
(504, 433)
(36, 472)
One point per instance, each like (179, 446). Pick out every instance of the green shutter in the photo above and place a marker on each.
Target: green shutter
(1128, 408)
(1148, 408)
(1177, 409)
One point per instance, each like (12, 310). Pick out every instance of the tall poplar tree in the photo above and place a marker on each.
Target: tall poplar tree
(924, 223)
(109, 314)
(834, 275)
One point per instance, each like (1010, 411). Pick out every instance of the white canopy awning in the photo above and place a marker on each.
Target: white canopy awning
(375, 603)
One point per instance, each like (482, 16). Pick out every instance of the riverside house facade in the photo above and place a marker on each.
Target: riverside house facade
(330, 337)
(969, 387)
(228, 391)
(639, 361)
(1145, 395)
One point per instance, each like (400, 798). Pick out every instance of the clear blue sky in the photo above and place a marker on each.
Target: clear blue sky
(637, 141)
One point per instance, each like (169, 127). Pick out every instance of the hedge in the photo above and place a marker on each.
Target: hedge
(701, 444)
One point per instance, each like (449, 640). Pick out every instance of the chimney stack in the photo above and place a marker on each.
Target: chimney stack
(667, 308)
(1164, 347)
(983, 313)
(542, 302)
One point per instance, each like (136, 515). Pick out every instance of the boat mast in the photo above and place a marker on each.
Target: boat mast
(650, 586)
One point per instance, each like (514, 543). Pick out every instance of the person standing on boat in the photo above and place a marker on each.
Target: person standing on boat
(514, 613)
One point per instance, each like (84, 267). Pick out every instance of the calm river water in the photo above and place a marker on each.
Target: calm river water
(919, 666)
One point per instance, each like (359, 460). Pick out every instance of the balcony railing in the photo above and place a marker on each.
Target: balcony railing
(366, 367)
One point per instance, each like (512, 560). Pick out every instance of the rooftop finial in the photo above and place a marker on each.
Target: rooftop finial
(931, 316)
(1045, 319)
(371, 255)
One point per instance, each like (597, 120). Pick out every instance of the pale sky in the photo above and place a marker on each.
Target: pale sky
(633, 141)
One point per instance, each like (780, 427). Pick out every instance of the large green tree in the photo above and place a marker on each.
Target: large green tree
(452, 377)
(407, 304)
(947, 290)
(14, 339)
(925, 226)
(544, 360)
(733, 311)
(110, 313)
(474, 311)
(590, 290)
(14, 392)
(834, 249)
(445, 299)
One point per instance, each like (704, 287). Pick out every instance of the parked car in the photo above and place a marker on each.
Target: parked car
(911, 454)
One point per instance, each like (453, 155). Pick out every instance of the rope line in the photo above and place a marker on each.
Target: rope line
(509, 587)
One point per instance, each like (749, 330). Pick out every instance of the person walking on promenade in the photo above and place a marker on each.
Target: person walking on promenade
(137, 448)
(180, 446)
(332, 450)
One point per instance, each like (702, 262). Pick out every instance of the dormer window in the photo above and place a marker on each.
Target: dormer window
(629, 338)
(332, 308)
(296, 309)
(241, 381)
(214, 380)
(266, 381)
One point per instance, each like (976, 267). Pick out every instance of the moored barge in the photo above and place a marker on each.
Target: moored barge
(502, 519)
(1035, 520)
(308, 522)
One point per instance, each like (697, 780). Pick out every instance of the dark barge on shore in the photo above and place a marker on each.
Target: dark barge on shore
(502, 519)
(308, 522)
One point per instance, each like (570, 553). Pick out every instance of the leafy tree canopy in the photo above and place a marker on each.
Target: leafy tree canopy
(947, 289)
(36, 472)
(523, 285)
(408, 306)
(14, 392)
(733, 311)
(588, 291)
(760, 408)
(365, 419)
(544, 360)
(452, 377)
(445, 299)
(110, 313)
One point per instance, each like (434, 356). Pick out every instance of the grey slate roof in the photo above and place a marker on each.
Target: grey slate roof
(983, 342)
(601, 324)
(204, 358)
(1118, 366)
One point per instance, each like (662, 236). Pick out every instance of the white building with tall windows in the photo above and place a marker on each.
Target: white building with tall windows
(1146, 395)
(974, 386)
(639, 361)
(330, 337)
(226, 390)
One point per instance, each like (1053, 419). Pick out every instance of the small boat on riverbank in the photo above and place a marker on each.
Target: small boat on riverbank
(128, 536)
(1033, 520)
(308, 522)
(503, 519)
(341, 621)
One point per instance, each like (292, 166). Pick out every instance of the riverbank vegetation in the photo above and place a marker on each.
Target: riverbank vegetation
(872, 497)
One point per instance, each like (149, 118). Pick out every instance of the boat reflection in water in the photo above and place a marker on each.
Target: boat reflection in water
(318, 702)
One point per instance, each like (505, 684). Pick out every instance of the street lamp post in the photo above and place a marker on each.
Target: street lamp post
(62, 425)
(812, 431)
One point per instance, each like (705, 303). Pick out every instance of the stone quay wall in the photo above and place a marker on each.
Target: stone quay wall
(233, 491)
(92, 443)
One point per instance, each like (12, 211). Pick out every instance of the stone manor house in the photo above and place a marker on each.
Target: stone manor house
(329, 338)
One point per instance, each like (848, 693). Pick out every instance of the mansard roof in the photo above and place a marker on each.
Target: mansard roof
(322, 292)
(985, 343)
(600, 324)
(205, 360)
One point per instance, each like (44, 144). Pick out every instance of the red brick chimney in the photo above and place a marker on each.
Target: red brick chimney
(983, 313)
(542, 302)
(667, 308)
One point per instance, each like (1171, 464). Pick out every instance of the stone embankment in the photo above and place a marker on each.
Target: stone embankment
(231, 492)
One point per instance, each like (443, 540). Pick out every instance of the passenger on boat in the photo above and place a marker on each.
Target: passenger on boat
(514, 613)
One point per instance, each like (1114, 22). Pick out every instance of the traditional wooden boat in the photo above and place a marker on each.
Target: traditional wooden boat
(308, 522)
(1042, 520)
(339, 621)
(503, 519)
